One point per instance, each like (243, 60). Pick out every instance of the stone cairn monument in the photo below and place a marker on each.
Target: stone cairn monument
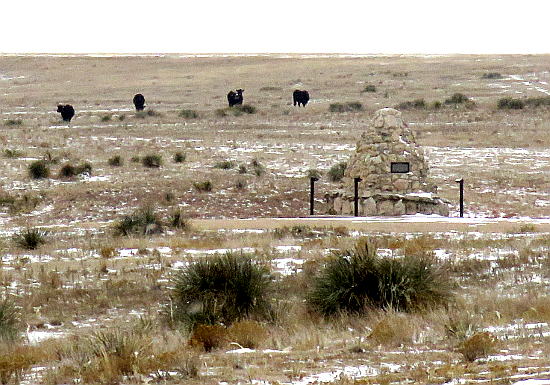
(393, 173)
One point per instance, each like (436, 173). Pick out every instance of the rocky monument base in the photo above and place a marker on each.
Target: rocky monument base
(387, 204)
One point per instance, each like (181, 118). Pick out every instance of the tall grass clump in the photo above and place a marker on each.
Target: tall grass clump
(115, 161)
(9, 321)
(188, 114)
(457, 98)
(179, 157)
(152, 161)
(243, 109)
(205, 186)
(369, 88)
(509, 103)
(13, 122)
(538, 102)
(143, 221)
(257, 168)
(221, 289)
(336, 172)
(225, 165)
(70, 171)
(345, 107)
(355, 280)
(39, 170)
(12, 153)
(30, 238)
(418, 104)
(491, 75)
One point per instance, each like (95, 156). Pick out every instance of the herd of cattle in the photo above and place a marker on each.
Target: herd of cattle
(234, 98)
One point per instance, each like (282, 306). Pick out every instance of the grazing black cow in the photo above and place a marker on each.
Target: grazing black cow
(139, 102)
(300, 97)
(67, 112)
(235, 98)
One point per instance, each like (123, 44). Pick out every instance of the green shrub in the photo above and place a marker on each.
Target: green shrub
(67, 171)
(143, 221)
(39, 170)
(345, 107)
(241, 184)
(70, 171)
(135, 159)
(205, 186)
(336, 172)
(457, 98)
(179, 157)
(352, 281)
(12, 153)
(178, 221)
(13, 122)
(537, 102)
(271, 88)
(313, 173)
(30, 238)
(115, 161)
(9, 321)
(188, 114)
(509, 103)
(369, 88)
(436, 105)
(222, 289)
(106, 118)
(491, 75)
(152, 161)
(477, 346)
(225, 165)
(243, 109)
(242, 169)
(418, 104)
(221, 112)
(257, 167)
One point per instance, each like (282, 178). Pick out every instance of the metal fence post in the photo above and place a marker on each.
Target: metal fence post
(356, 196)
(461, 186)
(312, 193)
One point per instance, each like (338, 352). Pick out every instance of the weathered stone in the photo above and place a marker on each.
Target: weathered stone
(399, 208)
(400, 185)
(410, 207)
(369, 207)
(338, 204)
(385, 208)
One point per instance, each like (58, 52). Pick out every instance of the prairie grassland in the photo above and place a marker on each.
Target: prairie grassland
(85, 292)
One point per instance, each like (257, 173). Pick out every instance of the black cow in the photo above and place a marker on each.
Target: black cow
(235, 98)
(139, 102)
(67, 112)
(300, 97)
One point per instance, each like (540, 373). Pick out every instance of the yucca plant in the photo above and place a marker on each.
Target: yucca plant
(30, 238)
(352, 281)
(143, 221)
(222, 289)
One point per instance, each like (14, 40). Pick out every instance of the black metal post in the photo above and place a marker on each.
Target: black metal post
(312, 193)
(461, 186)
(356, 196)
